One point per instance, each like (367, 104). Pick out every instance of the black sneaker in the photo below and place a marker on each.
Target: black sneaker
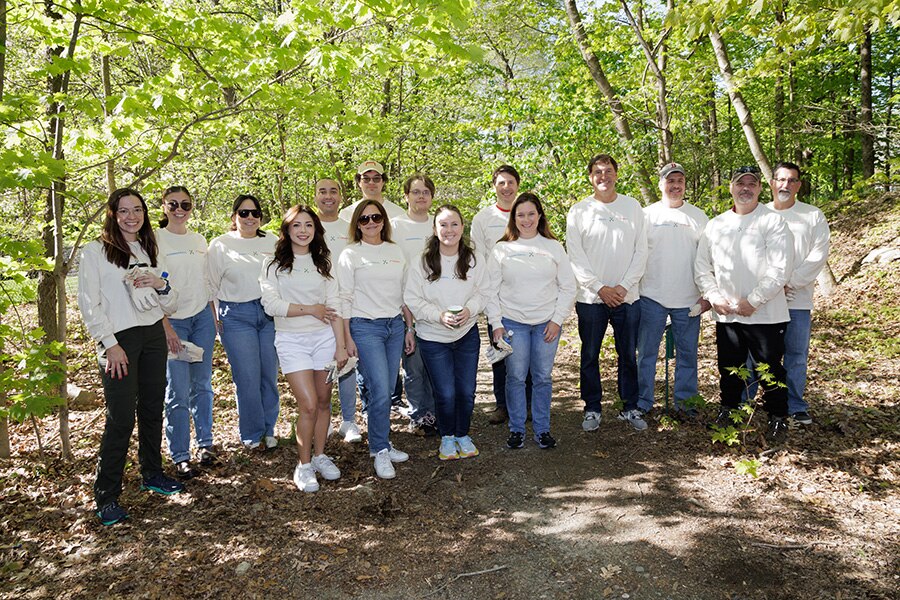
(112, 513)
(161, 484)
(515, 440)
(545, 440)
(777, 430)
(429, 425)
(184, 471)
(723, 419)
(802, 417)
(207, 457)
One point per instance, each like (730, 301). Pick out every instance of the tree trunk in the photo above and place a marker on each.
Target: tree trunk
(107, 94)
(888, 133)
(620, 120)
(740, 107)
(866, 131)
(779, 92)
(715, 173)
(4, 429)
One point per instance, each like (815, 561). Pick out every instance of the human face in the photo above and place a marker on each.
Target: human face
(371, 183)
(173, 207)
(785, 185)
(302, 231)
(448, 228)
(603, 178)
(672, 188)
(527, 219)
(328, 199)
(419, 198)
(247, 226)
(507, 188)
(371, 231)
(130, 217)
(745, 192)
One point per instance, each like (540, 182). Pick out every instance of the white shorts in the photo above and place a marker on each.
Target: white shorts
(304, 351)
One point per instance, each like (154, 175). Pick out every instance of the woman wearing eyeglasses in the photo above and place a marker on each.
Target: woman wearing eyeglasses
(189, 393)
(532, 293)
(377, 325)
(123, 294)
(247, 332)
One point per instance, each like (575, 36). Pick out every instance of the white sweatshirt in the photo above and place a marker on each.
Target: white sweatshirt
(336, 238)
(746, 256)
(428, 300)
(302, 285)
(488, 226)
(392, 210)
(812, 239)
(529, 281)
(185, 257)
(371, 280)
(411, 236)
(672, 236)
(234, 265)
(607, 244)
(105, 300)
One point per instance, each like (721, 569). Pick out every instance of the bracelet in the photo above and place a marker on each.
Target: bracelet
(411, 329)
(165, 290)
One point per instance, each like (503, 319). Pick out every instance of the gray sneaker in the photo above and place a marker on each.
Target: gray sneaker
(635, 416)
(591, 421)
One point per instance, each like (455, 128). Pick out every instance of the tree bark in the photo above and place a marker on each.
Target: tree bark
(107, 94)
(887, 137)
(620, 120)
(779, 92)
(4, 428)
(737, 100)
(866, 132)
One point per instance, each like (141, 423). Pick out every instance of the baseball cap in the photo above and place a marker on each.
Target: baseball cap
(669, 169)
(747, 170)
(370, 165)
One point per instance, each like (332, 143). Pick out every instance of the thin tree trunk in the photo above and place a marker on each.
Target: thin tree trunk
(620, 120)
(107, 93)
(779, 92)
(887, 129)
(737, 100)
(4, 427)
(715, 172)
(866, 132)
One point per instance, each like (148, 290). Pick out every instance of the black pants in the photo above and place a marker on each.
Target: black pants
(142, 391)
(765, 343)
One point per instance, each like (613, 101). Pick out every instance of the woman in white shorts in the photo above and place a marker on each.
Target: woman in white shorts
(299, 291)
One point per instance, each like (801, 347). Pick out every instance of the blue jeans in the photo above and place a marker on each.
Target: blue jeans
(347, 395)
(592, 322)
(498, 370)
(453, 369)
(248, 335)
(686, 333)
(796, 355)
(189, 392)
(419, 392)
(530, 352)
(379, 343)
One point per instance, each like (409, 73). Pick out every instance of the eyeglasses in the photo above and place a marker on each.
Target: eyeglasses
(791, 180)
(246, 212)
(376, 179)
(124, 212)
(185, 205)
(364, 219)
(416, 193)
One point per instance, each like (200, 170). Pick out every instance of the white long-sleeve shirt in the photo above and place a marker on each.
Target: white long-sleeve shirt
(530, 281)
(672, 236)
(392, 210)
(185, 257)
(411, 236)
(371, 280)
(812, 239)
(302, 285)
(105, 299)
(488, 226)
(428, 300)
(607, 244)
(746, 256)
(234, 264)
(336, 237)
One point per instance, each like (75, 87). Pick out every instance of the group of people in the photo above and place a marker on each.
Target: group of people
(378, 286)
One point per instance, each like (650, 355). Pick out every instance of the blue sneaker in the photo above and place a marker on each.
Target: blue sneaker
(466, 447)
(112, 513)
(161, 484)
(448, 448)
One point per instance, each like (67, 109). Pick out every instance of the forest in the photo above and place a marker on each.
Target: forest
(266, 96)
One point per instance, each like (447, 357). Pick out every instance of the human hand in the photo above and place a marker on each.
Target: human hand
(612, 296)
(551, 331)
(116, 362)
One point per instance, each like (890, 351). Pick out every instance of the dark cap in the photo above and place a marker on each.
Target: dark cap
(749, 170)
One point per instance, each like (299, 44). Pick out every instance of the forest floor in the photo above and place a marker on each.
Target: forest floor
(614, 513)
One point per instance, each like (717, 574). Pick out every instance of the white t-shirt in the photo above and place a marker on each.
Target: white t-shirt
(185, 256)
(336, 237)
(411, 236)
(234, 264)
(488, 226)
(371, 280)
(812, 239)
(428, 300)
(302, 285)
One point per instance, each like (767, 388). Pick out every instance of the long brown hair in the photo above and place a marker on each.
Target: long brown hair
(543, 228)
(431, 257)
(169, 191)
(355, 232)
(114, 245)
(318, 249)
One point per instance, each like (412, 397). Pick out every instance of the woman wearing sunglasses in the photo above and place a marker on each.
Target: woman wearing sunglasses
(123, 294)
(247, 332)
(300, 292)
(189, 393)
(378, 326)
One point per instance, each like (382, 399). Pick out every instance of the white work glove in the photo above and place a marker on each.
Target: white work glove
(695, 310)
(144, 299)
(191, 353)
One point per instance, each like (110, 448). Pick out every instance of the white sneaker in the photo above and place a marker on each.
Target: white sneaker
(326, 467)
(591, 421)
(396, 455)
(384, 468)
(634, 416)
(350, 432)
(305, 478)
(271, 442)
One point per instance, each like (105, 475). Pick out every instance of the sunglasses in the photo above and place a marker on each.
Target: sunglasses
(246, 212)
(364, 219)
(185, 205)
(376, 179)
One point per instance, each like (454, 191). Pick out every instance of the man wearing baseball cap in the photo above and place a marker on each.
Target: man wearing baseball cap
(743, 261)
(370, 178)
(668, 290)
